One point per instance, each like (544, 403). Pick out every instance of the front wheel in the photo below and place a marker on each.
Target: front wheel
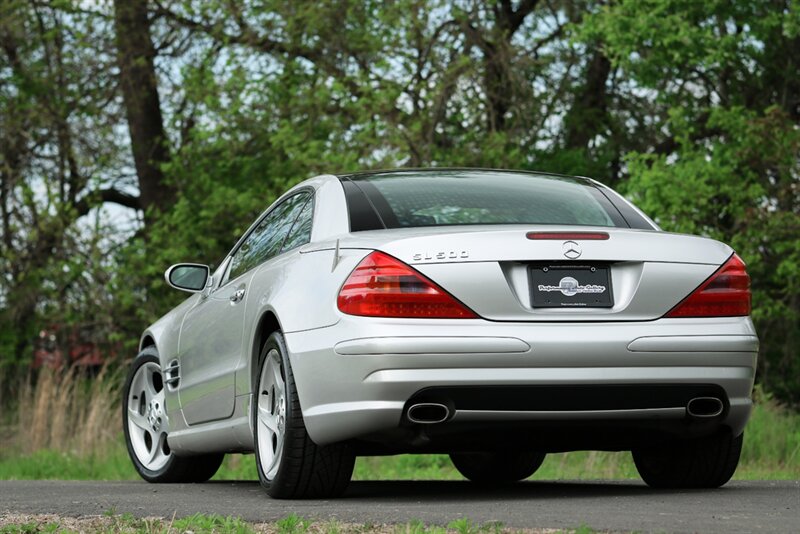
(290, 465)
(145, 424)
(497, 467)
(699, 463)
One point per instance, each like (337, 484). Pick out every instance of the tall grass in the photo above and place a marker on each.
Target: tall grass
(67, 411)
(772, 439)
(3, 387)
(66, 425)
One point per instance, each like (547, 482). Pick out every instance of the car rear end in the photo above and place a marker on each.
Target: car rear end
(481, 310)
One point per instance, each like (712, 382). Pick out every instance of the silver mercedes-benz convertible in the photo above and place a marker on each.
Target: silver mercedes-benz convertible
(491, 315)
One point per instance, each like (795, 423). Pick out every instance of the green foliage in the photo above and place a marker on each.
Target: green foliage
(55, 465)
(729, 168)
(462, 526)
(773, 432)
(215, 523)
(713, 189)
(292, 524)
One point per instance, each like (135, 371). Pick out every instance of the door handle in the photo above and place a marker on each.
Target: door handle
(237, 296)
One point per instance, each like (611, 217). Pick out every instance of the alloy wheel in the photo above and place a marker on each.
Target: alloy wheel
(146, 417)
(271, 416)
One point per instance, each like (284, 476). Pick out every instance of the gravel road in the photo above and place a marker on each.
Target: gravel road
(759, 506)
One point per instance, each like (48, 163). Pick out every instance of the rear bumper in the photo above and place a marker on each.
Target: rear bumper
(355, 378)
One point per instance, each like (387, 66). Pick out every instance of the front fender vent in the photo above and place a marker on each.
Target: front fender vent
(172, 375)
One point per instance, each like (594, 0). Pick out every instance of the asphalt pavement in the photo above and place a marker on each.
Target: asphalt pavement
(757, 506)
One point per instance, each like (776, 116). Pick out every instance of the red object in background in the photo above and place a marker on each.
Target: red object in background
(57, 346)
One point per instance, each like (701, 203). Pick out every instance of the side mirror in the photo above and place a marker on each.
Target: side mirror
(191, 277)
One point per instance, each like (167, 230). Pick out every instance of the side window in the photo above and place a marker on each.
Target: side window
(266, 239)
(300, 234)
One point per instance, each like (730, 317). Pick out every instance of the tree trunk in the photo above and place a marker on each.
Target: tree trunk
(495, 45)
(135, 53)
(588, 116)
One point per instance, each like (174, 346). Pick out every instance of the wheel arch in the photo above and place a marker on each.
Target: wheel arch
(267, 324)
(148, 340)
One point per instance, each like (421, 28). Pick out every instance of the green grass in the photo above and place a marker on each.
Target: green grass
(112, 464)
(202, 524)
(771, 451)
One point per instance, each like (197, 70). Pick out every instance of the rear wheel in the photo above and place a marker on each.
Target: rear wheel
(144, 421)
(290, 465)
(701, 463)
(497, 467)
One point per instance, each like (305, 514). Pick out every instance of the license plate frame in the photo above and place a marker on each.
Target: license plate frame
(556, 285)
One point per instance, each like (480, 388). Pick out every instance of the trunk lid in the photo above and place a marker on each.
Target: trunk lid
(493, 270)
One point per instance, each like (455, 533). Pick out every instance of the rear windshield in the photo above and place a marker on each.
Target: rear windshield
(447, 198)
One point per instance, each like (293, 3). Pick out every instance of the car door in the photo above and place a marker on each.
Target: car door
(212, 335)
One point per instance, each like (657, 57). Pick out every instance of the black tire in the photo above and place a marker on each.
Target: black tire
(502, 467)
(176, 469)
(700, 463)
(306, 470)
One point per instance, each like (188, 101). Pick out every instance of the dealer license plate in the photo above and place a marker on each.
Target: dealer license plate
(570, 286)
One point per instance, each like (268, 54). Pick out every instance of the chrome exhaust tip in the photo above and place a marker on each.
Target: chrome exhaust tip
(428, 413)
(704, 407)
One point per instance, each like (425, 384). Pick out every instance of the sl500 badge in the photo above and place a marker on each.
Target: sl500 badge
(442, 255)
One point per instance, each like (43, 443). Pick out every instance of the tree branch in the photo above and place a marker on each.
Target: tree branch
(115, 196)
(512, 20)
(250, 38)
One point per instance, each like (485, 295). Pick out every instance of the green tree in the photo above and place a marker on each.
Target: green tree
(723, 80)
(59, 159)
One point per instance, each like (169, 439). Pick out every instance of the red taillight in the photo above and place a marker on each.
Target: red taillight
(383, 286)
(725, 294)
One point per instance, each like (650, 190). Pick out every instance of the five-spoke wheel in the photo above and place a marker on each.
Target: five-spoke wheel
(271, 414)
(146, 426)
(290, 465)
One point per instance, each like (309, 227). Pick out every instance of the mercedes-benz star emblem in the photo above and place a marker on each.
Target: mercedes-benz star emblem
(571, 250)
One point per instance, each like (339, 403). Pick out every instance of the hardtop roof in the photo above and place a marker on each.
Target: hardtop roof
(398, 172)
